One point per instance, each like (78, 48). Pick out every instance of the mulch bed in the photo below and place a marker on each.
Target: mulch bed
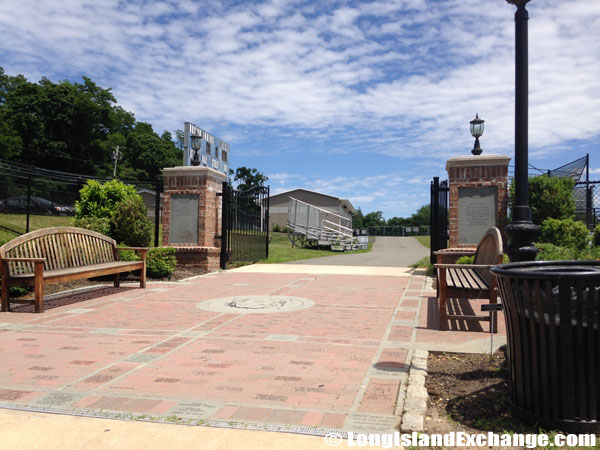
(469, 392)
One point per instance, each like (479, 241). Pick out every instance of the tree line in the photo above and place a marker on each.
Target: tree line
(76, 127)
(376, 219)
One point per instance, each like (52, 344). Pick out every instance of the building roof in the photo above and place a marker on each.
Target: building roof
(343, 201)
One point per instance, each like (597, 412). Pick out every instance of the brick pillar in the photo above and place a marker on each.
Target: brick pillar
(188, 185)
(473, 180)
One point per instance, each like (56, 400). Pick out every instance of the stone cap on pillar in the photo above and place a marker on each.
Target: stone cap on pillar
(477, 161)
(193, 171)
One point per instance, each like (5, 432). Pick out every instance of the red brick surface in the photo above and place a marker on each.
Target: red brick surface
(154, 351)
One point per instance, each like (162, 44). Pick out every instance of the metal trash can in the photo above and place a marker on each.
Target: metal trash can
(552, 311)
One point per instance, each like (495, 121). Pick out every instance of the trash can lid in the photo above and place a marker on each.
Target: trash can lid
(549, 269)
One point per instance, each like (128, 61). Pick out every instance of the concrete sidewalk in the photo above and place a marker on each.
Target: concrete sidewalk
(386, 252)
(294, 348)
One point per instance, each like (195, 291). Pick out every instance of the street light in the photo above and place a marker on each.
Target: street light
(521, 231)
(476, 132)
(196, 142)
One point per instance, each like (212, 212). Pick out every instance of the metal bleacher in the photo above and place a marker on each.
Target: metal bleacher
(311, 226)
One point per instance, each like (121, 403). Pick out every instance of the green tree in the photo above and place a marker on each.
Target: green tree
(248, 178)
(74, 127)
(358, 220)
(179, 135)
(374, 219)
(422, 216)
(149, 153)
(549, 197)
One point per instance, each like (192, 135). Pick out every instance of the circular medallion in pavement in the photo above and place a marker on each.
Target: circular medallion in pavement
(256, 304)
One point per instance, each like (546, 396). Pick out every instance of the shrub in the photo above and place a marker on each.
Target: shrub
(131, 223)
(161, 262)
(549, 197)
(465, 260)
(564, 233)
(99, 224)
(100, 199)
(276, 228)
(127, 255)
(597, 236)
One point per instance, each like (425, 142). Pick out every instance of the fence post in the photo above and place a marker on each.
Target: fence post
(158, 191)
(28, 203)
(224, 225)
(267, 219)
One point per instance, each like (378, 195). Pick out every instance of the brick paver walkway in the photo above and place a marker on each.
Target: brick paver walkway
(155, 354)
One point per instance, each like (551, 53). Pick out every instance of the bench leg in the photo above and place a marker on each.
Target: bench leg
(5, 302)
(39, 287)
(143, 278)
(117, 280)
(442, 300)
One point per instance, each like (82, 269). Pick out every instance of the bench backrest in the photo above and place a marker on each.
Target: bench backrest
(63, 248)
(489, 251)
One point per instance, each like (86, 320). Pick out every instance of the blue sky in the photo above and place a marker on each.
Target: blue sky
(359, 99)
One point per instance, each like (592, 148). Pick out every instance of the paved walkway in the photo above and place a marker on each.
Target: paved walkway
(386, 252)
(296, 348)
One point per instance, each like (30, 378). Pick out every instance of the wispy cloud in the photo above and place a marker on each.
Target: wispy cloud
(388, 77)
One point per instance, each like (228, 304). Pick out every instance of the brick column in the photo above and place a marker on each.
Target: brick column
(202, 250)
(482, 171)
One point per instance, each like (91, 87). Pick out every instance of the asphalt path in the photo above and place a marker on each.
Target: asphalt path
(386, 252)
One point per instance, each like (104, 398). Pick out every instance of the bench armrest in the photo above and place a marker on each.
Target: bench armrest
(462, 266)
(455, 251)
(24, 259)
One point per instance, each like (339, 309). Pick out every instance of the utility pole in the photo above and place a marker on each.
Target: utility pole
(116, 156)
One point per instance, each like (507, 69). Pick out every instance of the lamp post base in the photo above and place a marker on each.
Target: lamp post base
(521, 235)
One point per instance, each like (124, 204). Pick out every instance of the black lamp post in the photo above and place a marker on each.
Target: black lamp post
(196, 142)
(476, 132)
(522, 231)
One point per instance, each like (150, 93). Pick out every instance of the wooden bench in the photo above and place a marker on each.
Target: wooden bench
(469, 281)
(54, 255)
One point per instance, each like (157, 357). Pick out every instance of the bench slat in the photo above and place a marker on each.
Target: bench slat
(65, 253)
(456, 281)
(87, 271)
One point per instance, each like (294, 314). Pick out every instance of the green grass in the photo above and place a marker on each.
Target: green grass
(424, 240)
(281, 250)
(17, 222)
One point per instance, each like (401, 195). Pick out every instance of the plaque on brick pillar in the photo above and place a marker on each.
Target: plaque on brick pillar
(478, 187)
(477, 208)
(191, 216)
(184, 209)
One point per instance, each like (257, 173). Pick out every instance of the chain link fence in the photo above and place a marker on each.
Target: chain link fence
(587, 202)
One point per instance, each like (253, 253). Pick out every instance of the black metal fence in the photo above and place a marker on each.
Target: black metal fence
(587, 202)
(439, 217)
(245, 224)
(33, 198)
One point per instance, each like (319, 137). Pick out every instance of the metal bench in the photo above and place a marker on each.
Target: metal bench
(469, 280)
(54, 255)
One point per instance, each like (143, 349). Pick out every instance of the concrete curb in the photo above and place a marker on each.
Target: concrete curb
(415, 403)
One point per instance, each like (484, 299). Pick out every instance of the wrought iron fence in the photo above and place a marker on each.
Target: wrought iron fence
(32, 198)
(245, 224)
(439, 217)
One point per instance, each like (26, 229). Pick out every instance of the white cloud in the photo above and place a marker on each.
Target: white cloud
(390, 77)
